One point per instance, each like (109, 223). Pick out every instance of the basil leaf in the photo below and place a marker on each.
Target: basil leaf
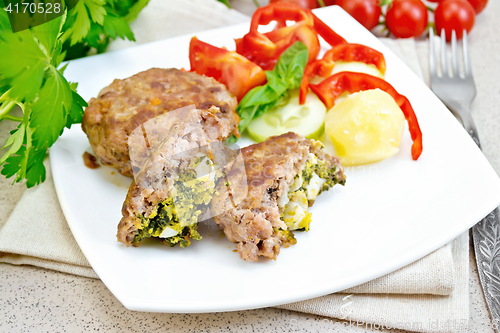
(259, 95)
(287, 74)
(291, 64)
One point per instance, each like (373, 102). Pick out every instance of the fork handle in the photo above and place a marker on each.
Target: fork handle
(462, 112)
(486, 247)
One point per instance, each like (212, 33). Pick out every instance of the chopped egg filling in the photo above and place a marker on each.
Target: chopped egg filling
(175, 219)
(307, 185)
(314, 187)
(168, 232)
(296, 215)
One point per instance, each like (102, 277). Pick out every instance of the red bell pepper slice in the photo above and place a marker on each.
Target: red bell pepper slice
(264, 49)
(331, 88)
(344, 52)
(233, 70)
(330, 36)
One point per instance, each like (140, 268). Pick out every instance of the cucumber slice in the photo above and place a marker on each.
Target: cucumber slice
(356, 66)
(307, 120)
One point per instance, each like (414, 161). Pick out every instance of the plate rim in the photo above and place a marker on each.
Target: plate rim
(139, 305)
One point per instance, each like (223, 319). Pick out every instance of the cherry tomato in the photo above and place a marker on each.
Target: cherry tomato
(366, 12)
(407, 18)
(478, 5)
(306, 4)
(454, 15)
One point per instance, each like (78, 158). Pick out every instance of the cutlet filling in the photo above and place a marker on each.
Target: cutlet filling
(175, 219)
(315, 178)
(166, 225)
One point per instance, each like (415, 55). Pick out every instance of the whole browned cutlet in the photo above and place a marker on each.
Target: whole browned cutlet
(273, 166)
(125, 104)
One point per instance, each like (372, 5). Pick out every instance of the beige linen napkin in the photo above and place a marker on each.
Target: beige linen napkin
(430, 295)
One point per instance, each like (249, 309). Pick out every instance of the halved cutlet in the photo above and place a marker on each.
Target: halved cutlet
(284, 175)
(175, 178)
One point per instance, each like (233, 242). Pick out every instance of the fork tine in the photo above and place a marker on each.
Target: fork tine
(454, 54)
(432, 53)
(465, 47)
(444, 58)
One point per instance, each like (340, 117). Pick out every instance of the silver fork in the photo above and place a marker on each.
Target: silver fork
(457, 93)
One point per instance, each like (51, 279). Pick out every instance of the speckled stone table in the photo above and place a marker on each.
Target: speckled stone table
(38, 300)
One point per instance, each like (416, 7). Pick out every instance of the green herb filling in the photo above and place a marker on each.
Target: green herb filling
(175, 220)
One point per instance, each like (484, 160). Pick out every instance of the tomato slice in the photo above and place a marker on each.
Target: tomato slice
(233, 70)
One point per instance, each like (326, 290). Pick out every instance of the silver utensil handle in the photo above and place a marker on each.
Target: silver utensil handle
(486, 237)
(485, 234)
(462, 113)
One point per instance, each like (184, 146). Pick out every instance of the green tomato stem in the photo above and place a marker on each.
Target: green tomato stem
(321, 3)
(432, 25)
(257, 4)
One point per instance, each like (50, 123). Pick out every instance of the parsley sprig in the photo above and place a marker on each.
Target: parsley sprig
(91, 24)
(32, 77)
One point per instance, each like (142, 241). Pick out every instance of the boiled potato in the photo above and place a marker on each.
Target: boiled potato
(365, 127)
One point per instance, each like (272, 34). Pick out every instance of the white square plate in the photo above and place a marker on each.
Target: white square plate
(388, 215)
